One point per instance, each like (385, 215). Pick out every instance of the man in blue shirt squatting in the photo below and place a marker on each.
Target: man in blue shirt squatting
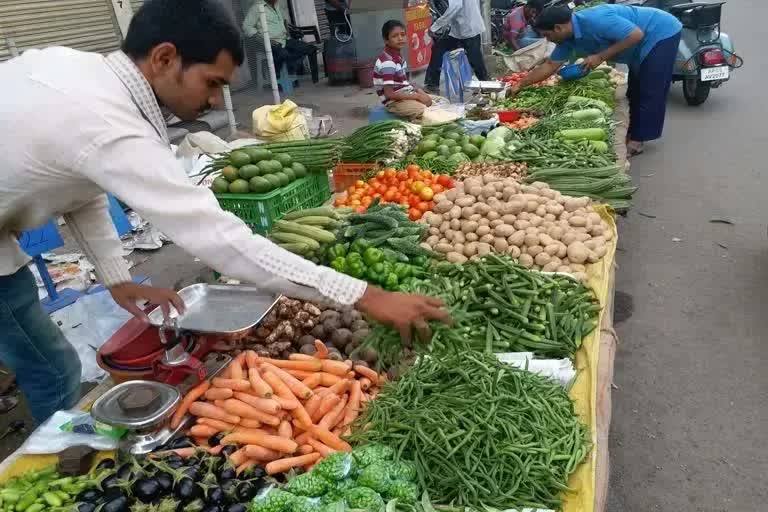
(644, 38)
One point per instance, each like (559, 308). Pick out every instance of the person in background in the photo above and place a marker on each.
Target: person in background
(644, 38)
(76, 125)
(337, 12)
(285, 50)
(518, 32)
(459, 27)
(390, 76)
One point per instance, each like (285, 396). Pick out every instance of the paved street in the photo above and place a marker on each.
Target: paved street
(690, 411)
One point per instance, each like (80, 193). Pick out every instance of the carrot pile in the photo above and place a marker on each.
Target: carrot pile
(281, 413)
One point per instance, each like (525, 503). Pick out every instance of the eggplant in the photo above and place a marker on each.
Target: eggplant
(229, 488)
(111, 482)
(86, 507)
(227, 473)
(228, 450)
(105, 464)
(175, 463)
(125, 472)
(165, 480)
(236, 507)
(117, 504)
(215, 495)
(179, 442)
(187, 489)
(192, 472)
(146, 490)
(253, 472)
(247, 490)
(215, 439)
(89, 496)
(211, 508)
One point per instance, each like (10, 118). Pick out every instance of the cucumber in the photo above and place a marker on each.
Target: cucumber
(296, 248)
(288, 238)
(325, 211)
(313, 232)
(317, 220)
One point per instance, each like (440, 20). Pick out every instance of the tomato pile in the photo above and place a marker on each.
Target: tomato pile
(522, 123)
(515, 78)
(412, 188)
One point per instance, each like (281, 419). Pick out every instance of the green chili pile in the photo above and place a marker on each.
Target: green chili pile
(500, 306)
(480, 432)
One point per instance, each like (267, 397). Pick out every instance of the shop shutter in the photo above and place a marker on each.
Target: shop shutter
(135, 4)
(322, 20)
(87, 25)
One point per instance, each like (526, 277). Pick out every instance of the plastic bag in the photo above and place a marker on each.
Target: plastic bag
(88, 324)
(49, 438)
(281, 122)
(456, 72)
(479, 127)
(529, 57)
(440, 114)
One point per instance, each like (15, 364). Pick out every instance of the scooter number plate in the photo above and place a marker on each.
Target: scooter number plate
(718, 73)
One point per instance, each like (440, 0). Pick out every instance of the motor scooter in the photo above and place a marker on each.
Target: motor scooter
(705, 56)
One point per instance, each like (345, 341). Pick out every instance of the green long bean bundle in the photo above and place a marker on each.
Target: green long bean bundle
(481, 433)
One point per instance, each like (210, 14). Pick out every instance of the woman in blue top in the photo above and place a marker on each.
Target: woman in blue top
(645, 39)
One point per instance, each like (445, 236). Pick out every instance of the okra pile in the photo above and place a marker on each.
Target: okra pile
(480, 432)
(500, 306)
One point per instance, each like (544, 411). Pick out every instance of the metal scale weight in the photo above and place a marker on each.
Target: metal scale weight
(144, 408)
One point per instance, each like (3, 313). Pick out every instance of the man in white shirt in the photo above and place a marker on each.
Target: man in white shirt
(459, 26)
(75, 125)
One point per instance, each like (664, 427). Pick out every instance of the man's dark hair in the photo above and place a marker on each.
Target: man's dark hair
(199, 29)
(538, 5)
(389, 26)
(551, 16)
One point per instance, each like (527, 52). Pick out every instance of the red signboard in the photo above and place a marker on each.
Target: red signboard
(417, 23)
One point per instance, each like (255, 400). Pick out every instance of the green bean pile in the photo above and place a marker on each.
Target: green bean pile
(500, 306)
(545, 153)
(481, 433)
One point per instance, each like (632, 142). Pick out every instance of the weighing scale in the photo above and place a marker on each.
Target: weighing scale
(144, 407)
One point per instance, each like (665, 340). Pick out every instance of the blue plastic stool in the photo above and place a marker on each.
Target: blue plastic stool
(286, 81)
(380, 113)
(46, 238)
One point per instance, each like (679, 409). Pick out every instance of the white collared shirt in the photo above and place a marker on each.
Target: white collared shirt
(464, 18)
(73, 126)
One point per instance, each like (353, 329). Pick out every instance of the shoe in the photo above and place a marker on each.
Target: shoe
(432, 90)
(634, 148)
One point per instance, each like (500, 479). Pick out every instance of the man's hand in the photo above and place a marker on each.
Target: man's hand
(592, 61)
(512, 91)
(126, 295)
(403, 312)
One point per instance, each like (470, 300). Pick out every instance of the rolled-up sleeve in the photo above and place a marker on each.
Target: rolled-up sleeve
(144, 174)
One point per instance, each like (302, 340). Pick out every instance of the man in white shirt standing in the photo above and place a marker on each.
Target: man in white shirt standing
(76, 125)
(459, 26)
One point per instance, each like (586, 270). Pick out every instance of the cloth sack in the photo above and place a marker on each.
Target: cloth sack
(280, 122)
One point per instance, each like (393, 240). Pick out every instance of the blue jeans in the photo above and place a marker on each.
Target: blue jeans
(47, 367)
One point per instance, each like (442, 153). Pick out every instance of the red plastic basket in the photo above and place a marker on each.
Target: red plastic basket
(345, 175)
(509, 116)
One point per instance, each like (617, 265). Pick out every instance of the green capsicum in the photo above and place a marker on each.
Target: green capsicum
(339, 264)
(372, 255)
(375, 273)
(355, 265)
(420, 261)
(402, 270)
(337, 250)
(391, 282)
(359, 246)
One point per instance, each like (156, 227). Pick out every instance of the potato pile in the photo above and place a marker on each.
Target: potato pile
(293, 326)
(540, 227)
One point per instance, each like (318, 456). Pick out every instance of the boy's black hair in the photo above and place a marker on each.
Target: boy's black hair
(538, 5)
(199, 29)
(389, 26)
(551, 16)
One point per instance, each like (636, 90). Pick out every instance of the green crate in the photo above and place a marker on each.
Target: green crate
(260, 211)
(321, 188)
